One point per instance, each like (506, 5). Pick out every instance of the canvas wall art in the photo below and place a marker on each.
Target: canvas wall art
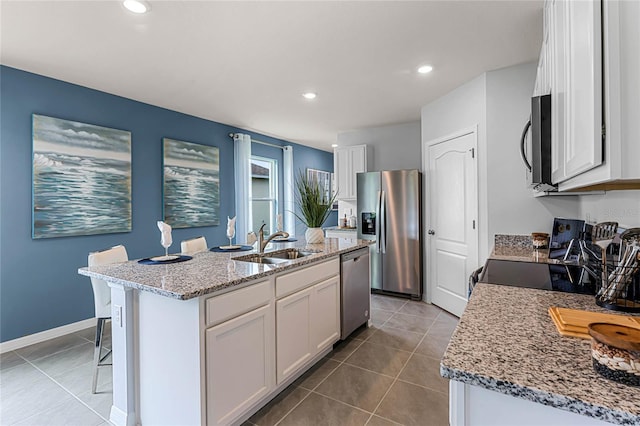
(191, 184)
(81, 179)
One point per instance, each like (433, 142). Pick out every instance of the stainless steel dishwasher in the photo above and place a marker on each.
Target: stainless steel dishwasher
(356, 290)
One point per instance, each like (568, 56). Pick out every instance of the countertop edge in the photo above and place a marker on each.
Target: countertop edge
(223, 287)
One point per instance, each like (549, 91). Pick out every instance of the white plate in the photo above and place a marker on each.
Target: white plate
(281, 238)
(229, 247)
(164, 258)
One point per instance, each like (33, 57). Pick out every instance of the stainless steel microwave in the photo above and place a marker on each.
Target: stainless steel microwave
(538, 163)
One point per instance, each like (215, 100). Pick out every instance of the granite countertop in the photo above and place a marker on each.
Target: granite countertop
(518, 248)
(506, 342)
(210, 272)
(337, 228)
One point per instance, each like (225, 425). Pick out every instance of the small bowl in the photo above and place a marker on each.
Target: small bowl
(615, 350)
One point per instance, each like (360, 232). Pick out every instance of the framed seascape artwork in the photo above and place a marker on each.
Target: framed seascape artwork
(191, 184)
(81, 179)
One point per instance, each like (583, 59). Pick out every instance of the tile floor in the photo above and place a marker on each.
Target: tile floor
(386, 374)
(49, 383)
(383, 375)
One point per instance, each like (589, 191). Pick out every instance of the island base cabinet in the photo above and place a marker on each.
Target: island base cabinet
(239, 364)
(293, 333)
(325, 313)
(307, 322)
(471, 405)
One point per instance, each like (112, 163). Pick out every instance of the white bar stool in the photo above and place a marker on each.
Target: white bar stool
(102, 300)
(193, 245)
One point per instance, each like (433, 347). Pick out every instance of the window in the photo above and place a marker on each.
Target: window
(264, 193)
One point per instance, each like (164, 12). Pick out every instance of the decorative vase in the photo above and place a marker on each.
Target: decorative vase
(314, 235)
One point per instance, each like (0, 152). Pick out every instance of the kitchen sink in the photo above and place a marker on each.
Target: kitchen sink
(288, 254)
(274, 257)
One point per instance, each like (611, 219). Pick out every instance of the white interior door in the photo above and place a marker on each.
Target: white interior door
(452, 217)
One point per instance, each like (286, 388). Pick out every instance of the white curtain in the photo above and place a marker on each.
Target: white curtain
(242, 163)
(287, 170)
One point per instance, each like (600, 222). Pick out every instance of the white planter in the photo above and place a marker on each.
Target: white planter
(314, 235)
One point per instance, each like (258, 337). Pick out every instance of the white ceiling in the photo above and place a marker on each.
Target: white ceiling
(247, 63)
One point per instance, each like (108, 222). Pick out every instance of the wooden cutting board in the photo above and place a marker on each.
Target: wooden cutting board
(574, 322)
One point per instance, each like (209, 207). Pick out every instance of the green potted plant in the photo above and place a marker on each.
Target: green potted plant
(314, 206)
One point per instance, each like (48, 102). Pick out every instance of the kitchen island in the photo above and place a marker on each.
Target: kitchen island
(509, 365)
(212, 339)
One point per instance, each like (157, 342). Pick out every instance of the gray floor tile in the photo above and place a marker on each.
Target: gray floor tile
(386, 303)
(414, 405)
(381, 359)
(50, 347)
(79, 379)
(379, 421)
(318, 410)
(100, 402)
(16, 378)
(354, 386)
(25, 401)
(364, 332)
(67, 360)
(421, 309)
(432, 347)
(317, 374)
(87, 334)
(441, 330)
(414, 323)
(71, 412)
(273, 412)
(379, 316)
(343, 349)
(9, 360)
(396, 338)
(424, 371)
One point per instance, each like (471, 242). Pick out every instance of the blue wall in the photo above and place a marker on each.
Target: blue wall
(39, 284)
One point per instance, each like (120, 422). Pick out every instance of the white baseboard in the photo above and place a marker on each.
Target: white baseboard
(21, 342)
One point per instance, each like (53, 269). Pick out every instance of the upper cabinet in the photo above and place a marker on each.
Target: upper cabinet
(574, 40)
(589, 63)
(347, 162)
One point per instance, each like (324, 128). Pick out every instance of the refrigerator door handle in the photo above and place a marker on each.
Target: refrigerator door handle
(383, 223)
(378, 218)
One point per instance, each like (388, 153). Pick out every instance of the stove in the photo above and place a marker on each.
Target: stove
(543, 276)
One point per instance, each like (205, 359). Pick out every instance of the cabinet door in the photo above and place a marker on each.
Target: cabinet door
(583, 150)
(558, 24)
(341, 171)
(239, 364)
(358, 164)
(293, 333)
(576, 102)
(325, 314)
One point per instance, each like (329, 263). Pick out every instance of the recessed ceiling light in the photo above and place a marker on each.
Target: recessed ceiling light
(309, 95)
(334, 145)
(137, 6)
(425, 69)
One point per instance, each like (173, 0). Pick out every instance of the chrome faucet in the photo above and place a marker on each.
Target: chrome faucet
(262, 243)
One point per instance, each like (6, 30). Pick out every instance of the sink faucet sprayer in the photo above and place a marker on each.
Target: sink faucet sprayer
(262, 243)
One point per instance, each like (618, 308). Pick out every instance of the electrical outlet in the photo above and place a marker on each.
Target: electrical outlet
(117, 315)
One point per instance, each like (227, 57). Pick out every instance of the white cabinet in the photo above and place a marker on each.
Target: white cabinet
(239, 364)
(325, 312)
(293, 332)
(347, 162)
(620, 168)
(576, 87)
(307, 321)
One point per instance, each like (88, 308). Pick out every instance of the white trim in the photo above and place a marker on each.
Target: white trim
(454, 135)
(21, 342)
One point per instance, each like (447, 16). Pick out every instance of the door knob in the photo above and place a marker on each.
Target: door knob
(432, 232)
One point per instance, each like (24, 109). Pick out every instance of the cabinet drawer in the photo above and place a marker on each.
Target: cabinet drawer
(308, 275)
(232, 304)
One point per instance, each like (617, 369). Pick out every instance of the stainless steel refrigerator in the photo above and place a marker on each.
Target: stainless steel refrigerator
(390, 212)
